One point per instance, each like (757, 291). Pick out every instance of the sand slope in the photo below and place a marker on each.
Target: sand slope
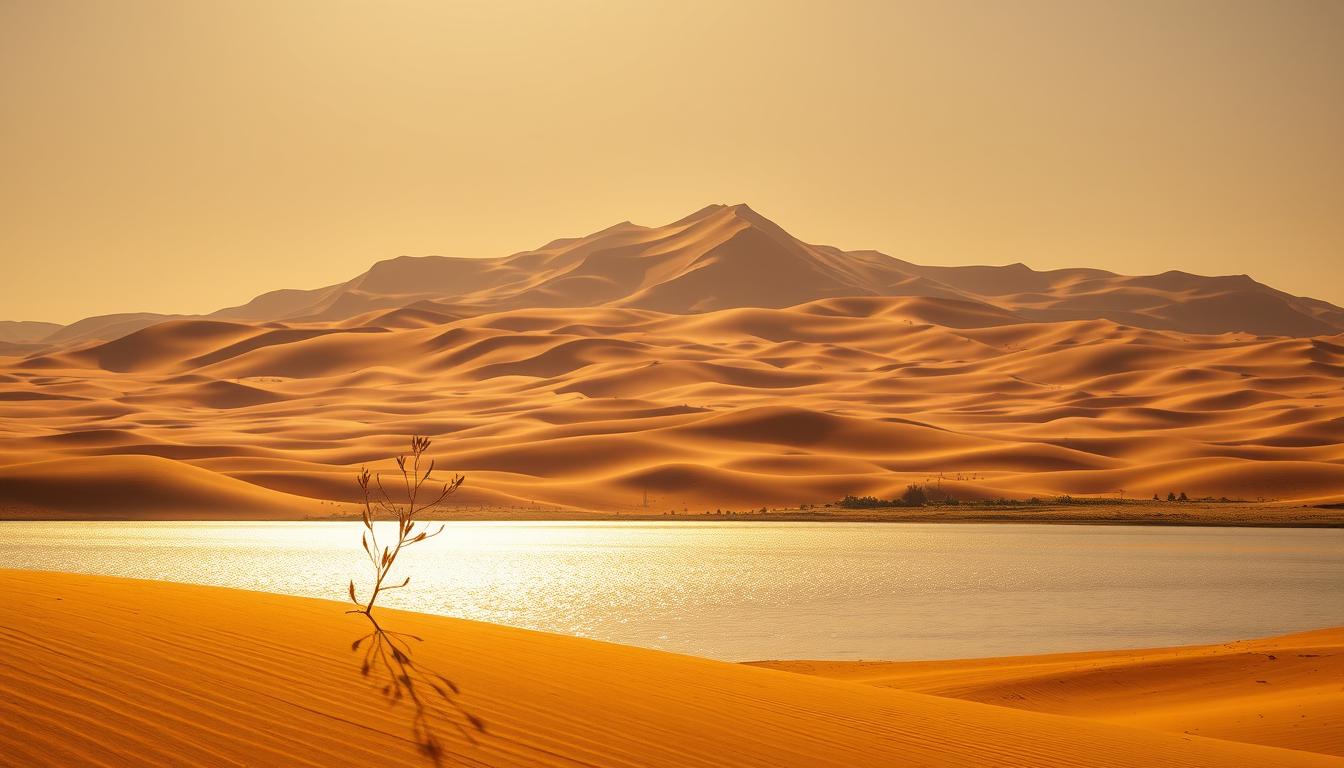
(1283, 691)
(734, 409)
(143, 487)
(726, 256)
(713, 363)
(25, 331)
(102, 671)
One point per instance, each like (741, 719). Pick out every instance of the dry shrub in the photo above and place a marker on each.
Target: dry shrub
(419, 500)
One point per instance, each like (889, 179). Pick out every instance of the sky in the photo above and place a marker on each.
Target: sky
(185, 156)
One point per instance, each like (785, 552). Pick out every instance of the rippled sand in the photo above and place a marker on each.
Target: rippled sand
(103, 671)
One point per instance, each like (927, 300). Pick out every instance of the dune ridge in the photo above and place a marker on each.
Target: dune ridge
(1280, 691)
(741, 407)
(713, 363)
(726, 256)
(102, 670)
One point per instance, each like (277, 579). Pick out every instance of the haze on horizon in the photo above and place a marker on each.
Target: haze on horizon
(172, 157)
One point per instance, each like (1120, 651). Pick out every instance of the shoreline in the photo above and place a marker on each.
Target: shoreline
(103, 667)
(1188, 514)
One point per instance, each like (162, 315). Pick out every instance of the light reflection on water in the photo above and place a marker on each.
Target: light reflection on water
(769, 590)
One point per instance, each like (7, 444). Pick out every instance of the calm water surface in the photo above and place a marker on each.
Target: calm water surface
(770, 590)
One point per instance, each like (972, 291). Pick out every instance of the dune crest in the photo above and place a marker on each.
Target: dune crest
(715, 362)
(1275, 691)
(726, 256)
(738, 408)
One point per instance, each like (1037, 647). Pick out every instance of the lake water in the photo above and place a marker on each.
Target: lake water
(755, 590)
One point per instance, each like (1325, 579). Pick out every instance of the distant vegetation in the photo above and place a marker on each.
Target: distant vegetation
(916, 495)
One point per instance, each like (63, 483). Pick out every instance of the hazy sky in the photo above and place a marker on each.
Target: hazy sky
(183, 156)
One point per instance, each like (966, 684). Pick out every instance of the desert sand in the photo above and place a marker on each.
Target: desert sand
(713, 363)
(1281, 691)
(100, 670)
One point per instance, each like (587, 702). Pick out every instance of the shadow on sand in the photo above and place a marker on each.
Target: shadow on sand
(387, 664)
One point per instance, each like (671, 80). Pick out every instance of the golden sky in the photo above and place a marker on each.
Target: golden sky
(183, 156)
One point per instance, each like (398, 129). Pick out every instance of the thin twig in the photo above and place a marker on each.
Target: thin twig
(413, 481)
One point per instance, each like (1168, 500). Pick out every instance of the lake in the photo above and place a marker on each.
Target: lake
(760, 590)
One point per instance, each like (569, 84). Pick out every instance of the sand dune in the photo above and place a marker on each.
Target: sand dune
(752, 399)
(101, 670)
(1281, 691)
(25, 331)
(730, 256)
(727, 256)
(137, 486)
(739, 408)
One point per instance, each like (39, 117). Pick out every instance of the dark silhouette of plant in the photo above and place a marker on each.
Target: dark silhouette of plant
(1171, 495)
(388, 655)
(914, 496)
(383, 558)
(862, 502)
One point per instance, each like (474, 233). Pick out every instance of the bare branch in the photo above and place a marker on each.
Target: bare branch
(407, 533)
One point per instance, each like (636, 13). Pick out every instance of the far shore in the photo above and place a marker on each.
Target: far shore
(1083, 512)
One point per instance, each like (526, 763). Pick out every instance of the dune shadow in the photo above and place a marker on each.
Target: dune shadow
(387, 664)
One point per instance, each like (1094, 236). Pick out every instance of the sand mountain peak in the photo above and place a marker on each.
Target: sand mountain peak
(728, 255)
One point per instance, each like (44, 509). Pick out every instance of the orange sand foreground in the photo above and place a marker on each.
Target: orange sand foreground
(106, 671)
(1282, 691)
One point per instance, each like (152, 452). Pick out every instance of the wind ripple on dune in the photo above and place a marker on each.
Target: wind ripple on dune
(735, 408)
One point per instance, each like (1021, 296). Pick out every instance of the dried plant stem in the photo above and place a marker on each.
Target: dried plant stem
(383, 558)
